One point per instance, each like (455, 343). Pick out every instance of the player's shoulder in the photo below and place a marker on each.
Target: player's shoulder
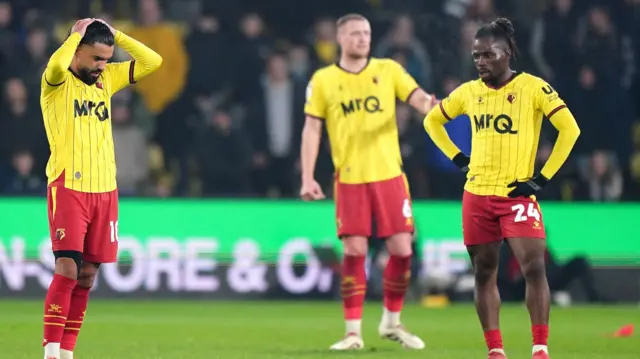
(325, 72)
(531, 80)
(384, 63)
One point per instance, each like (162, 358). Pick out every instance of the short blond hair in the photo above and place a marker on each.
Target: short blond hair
(349, 17)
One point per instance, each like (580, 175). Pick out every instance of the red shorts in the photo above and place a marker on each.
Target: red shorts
(488, 219)
(84, 222)
(387, 202)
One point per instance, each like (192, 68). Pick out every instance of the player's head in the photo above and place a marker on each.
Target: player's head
(354, 36)
(95, 49)
(493, 48)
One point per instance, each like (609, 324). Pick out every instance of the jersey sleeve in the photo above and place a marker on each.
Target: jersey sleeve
(547, 99)
(119, 75)
(315, 104)
(454, 105)
(404, 84)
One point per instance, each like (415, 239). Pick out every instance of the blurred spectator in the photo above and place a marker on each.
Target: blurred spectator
(130, 145)
(601, 177)
(8, 38)
(300, 64)
(224, 156)
(21, 124)
(323, 42)
(402, 39)
(276, 126)
(553, 45)
(465, 67)
(412, 150)
(482, 11)
(24, 182)
(252, 48)
(165, 85)
(207, 70)
(36, 56)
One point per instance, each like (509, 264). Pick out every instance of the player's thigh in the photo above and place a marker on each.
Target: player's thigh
(353, 209)
(69, 216)
(391, 207)
(520, 218)
(480, 225)
(101, 244)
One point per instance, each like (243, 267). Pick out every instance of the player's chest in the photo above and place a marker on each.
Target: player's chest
(502, 112)
(356, 96)
(88, 103)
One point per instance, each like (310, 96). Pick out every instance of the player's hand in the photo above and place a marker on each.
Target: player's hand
(81, 26)
(311, 191)
(113, 31)
(462, 161)
(528, 188)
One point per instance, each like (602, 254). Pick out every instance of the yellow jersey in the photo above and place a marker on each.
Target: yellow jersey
(359, 112)
(505, 125)
(77, 116)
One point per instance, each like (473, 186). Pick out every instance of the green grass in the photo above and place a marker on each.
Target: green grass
(252, 330)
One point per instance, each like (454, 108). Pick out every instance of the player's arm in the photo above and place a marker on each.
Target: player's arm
(58, 66)
(145, 61)
(315, 113)
(408, 90)
(434, 122)
(554, 108)
(568, 132)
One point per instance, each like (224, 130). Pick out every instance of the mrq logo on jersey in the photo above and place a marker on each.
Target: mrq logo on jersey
(194, 267)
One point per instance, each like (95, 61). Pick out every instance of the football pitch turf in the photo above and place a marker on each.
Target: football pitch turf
(264, 330)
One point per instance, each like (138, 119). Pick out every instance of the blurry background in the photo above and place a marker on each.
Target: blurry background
(223, 116)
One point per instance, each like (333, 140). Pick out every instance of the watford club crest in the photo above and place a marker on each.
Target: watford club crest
(60, 234)
(511, 97)
(375, 80)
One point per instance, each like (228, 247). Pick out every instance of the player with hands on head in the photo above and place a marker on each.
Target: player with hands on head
(75, 99)
(356, 98)
(506, 110)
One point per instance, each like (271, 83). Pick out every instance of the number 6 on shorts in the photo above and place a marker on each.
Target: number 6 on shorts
(532, 211)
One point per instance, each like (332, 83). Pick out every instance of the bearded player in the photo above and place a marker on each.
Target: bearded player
(506, 109)
(77, 86)
(356, 100)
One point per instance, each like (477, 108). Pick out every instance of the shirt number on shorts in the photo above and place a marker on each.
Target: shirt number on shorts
(114, 230)
(532, 211)
(406, 209)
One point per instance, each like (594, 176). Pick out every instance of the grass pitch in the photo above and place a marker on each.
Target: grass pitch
(264, 330)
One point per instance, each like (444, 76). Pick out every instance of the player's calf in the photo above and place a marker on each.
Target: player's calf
(57, 302)
(530, 253)
(78, 308)
(484, 259)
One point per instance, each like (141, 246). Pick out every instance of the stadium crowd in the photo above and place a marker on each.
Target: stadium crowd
(223, 115)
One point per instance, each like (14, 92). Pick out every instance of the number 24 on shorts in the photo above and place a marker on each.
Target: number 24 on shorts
(532, 211)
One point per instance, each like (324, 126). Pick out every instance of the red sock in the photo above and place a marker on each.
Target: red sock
(78, 307)
(56, 308)
(396, 279)
(493, 338)
(353, 286)
(540, 334)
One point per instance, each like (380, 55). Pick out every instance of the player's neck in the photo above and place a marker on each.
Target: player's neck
(353, 65)
(499, 81)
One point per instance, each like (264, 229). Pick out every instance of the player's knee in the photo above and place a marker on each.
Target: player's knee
(485, 270)
(87, 275)
(400, 245)
(68, 263)
(355, 246)
(533, 269)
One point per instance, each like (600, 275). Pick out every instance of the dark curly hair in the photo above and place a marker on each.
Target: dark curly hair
(97, 32)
